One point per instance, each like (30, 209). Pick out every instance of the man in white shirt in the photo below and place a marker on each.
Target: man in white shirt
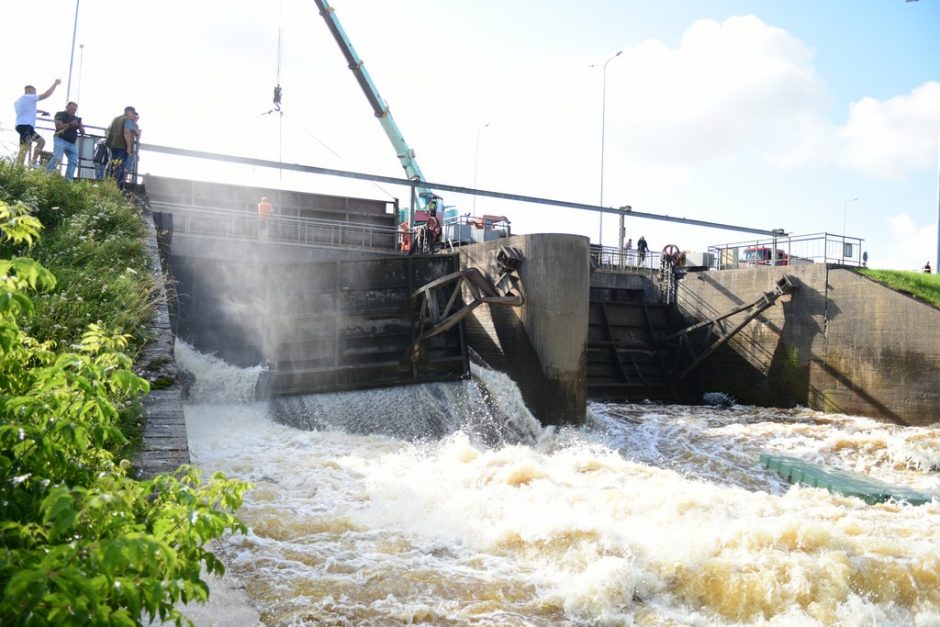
(26, 111)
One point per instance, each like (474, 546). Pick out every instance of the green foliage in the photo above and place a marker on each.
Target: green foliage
(82, 542)
(93, 242)
(920, 285)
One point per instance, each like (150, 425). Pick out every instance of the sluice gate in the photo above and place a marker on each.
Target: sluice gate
(641, 349)
(318, 327)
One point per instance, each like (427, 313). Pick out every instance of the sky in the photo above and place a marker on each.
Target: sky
(800, 115)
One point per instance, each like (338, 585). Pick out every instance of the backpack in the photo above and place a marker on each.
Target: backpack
(101, 151)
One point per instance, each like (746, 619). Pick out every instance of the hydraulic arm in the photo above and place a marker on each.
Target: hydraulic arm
(405, 154)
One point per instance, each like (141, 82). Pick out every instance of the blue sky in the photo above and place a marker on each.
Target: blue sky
(764, 114)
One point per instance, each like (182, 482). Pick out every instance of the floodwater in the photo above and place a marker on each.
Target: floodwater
(447, 504)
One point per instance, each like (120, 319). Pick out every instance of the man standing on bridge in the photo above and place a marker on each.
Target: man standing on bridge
(642, 248)
(68, 126)
(264, 210)
(26, 111)
(120, 139)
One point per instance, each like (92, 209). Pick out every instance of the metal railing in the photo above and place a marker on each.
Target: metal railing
(790, 250)
(297, 231)
(86, 167)
(623, 259)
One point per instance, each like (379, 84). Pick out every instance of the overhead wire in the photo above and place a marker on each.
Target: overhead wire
(336, 154)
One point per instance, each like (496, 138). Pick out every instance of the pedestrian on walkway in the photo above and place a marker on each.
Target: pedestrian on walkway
(68, 127)
(134, 150)
(26, 111)
(641, 248)
(120, 136)
(265, 208)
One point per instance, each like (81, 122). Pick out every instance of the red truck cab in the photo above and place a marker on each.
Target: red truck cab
(764, 256)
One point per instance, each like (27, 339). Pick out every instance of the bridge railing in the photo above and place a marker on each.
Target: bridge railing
(790, 250)
(623, 259)
(244, 225)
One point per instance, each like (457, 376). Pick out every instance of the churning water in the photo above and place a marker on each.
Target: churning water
(447, 504)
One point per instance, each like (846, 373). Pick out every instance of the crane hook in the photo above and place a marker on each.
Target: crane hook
(277, 98)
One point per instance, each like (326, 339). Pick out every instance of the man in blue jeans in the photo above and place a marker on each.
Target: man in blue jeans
(67, 128)
(121, 143)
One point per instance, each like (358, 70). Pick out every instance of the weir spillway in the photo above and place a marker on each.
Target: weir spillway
(321, 298)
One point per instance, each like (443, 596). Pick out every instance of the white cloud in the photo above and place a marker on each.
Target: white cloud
(889, 138)
(738, 84)
(909, 244)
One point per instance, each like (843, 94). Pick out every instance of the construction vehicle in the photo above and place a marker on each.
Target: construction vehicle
(421, 224)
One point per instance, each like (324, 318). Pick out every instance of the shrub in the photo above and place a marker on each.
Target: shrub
(93, 242)
(81, 542)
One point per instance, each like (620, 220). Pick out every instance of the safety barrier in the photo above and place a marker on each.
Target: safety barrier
(790, 250)
(244, 225)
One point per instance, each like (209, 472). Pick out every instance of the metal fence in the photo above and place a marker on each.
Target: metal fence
(245, 225)
(614, 258)
(790, 250)
(86, 167)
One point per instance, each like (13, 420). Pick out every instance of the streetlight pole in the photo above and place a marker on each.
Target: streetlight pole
(845, 207)
(476, 161)
(68, 88)
(600, 228)
(937, 264)
(81, 59)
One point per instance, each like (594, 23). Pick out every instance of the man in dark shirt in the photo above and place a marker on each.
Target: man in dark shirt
(642, 248)
(67, 128)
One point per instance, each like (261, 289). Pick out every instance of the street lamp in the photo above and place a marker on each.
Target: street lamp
(845, 206)
(600, 229)
(68, 88)
(81, 58)
(476, 161)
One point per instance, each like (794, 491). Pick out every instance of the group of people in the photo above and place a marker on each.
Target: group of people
(115, 154)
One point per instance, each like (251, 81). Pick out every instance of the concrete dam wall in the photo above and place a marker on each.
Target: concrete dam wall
(542, 345)
(839, 343)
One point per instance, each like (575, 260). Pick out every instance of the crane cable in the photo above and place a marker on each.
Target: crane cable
(277, 88)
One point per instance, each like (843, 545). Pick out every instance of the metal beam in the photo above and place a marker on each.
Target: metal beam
(264, 163)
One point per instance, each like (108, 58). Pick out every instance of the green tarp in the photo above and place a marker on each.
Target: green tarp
(870, 490)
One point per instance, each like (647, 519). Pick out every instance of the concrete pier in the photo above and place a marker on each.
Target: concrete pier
(543, 344)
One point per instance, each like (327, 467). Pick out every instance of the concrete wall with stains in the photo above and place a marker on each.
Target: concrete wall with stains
(839, 343)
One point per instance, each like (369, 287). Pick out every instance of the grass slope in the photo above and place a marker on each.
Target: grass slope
(925, 287)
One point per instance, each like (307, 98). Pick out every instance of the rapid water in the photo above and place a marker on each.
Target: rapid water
(447, 504)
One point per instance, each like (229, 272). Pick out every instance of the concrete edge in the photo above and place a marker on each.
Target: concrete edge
(165, 446)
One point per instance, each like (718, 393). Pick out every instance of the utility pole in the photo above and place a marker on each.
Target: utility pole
(68, 88)
(600, 228)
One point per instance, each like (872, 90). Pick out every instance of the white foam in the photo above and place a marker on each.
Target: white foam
(653, 514)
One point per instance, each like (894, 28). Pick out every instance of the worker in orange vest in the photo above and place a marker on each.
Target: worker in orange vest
(264, 210)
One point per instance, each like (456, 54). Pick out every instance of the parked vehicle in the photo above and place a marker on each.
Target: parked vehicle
(766, 256)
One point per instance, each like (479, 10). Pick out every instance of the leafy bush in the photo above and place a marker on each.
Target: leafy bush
(94, 244)
(81, 542)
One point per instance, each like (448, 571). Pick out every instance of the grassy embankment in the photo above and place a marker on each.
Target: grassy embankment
(93, 241)
(922, 286)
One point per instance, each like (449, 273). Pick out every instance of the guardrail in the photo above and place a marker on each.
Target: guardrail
(623, 259)
(790, 250)
(314, 232)
(86, 167)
